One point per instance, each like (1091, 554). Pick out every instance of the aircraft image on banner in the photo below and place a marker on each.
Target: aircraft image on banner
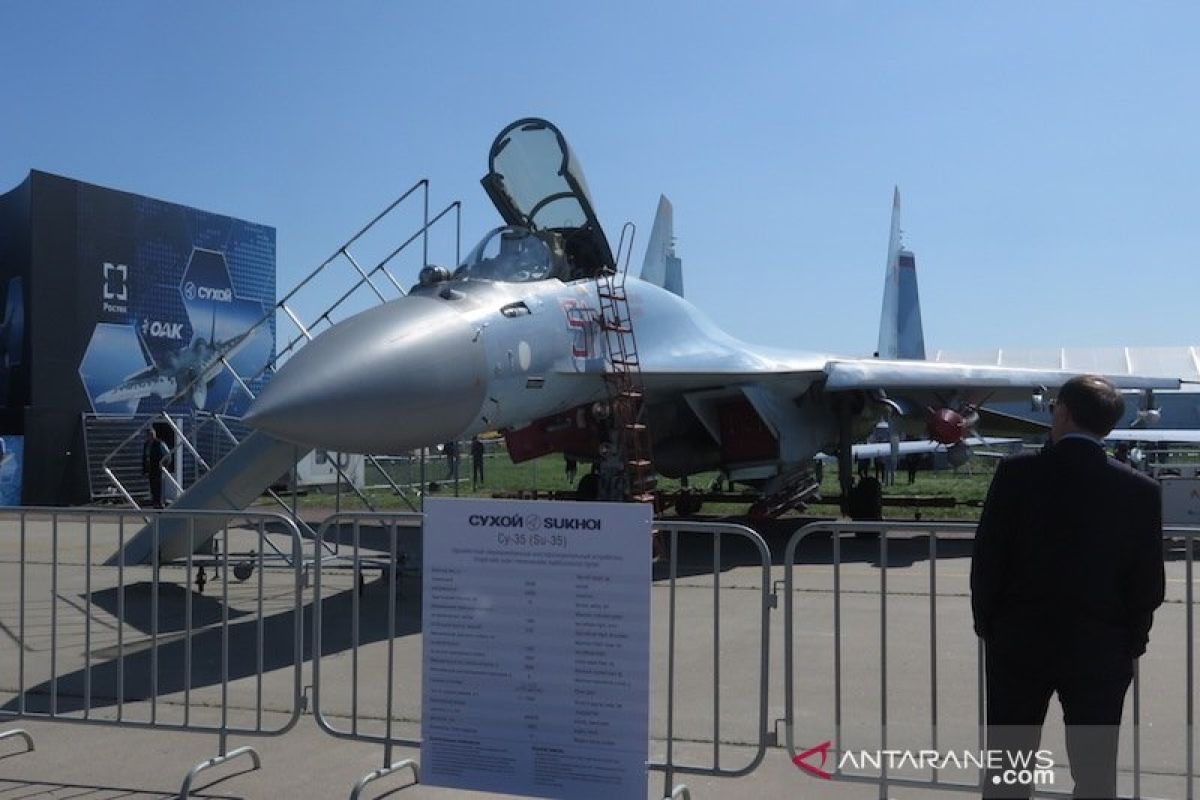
(125, 364)
(199, 363)
(513, 341)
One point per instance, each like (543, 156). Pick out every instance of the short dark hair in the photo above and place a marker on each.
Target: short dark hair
(1094, 402)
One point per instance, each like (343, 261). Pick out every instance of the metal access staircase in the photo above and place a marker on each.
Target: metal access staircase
(232, 466)
(623, 379)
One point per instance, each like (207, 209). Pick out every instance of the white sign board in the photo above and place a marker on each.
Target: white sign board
(1181, 501)
(536, 670)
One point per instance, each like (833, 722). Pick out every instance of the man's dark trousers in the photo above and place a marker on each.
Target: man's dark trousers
(156, 480)
(1092, 694)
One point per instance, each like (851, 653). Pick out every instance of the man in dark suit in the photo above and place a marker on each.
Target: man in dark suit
(155, 458)
(1066, 575)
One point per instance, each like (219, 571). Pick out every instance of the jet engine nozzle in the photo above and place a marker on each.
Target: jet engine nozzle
(403, 375)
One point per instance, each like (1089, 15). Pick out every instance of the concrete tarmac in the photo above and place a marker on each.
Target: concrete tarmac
(106, 663)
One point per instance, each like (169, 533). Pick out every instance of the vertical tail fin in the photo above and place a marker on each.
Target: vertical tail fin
(900, 331)
(661, 266)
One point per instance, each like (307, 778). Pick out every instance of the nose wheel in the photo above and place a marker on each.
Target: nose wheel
(243, 570)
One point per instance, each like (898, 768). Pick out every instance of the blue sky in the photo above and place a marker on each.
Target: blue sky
(1046, 152)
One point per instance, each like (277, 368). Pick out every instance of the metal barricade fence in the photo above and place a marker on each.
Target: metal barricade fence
(765, 602)
(837, 746)
(372, 541)
(386, 556)
(73, 613)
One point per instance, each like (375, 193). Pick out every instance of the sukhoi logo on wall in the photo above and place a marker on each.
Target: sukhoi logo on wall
(192, 291)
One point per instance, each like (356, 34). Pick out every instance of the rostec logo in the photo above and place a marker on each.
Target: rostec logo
(162, 330)
(116, 288)
(192, 291)
(116, 284)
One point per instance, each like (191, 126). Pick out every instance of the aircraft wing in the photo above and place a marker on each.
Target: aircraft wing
(984, 382)
(791, 382)
(144, 374)
(227, 350)
(1181, 362)
(971, 383)
(1182, 436)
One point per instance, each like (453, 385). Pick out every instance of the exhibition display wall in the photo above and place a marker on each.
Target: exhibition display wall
(115, 304)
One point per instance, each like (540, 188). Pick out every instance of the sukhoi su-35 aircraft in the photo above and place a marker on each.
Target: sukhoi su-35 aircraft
(511, 341)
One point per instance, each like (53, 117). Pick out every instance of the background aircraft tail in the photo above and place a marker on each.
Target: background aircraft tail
(900, 331)
(661, 266)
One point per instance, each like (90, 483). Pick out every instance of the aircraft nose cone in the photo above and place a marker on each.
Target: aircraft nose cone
(406, 374)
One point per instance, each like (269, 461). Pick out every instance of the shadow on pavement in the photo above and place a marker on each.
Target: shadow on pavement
(278, 635)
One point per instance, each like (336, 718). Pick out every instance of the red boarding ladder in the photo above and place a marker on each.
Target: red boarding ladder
(623, 377)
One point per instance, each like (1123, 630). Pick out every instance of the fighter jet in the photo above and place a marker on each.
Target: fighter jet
(512, 341)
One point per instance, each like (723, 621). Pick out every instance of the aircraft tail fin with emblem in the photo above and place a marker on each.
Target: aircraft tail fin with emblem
(900, 331)
(147, 353)
(661, 266)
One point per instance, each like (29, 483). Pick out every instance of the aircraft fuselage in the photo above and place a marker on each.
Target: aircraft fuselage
(467, 356)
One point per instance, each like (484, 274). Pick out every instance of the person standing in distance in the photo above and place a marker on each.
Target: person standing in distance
(1066, 574)
(155, 457)
(476, 463)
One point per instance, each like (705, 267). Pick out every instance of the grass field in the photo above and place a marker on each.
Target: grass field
(968, 485)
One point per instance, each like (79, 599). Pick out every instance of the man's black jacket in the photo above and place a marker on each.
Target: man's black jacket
(1068, 554)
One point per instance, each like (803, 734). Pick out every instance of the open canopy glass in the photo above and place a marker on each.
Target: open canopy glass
(536, 182)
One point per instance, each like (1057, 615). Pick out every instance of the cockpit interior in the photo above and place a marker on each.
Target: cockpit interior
(550, 230)
(537, 185)
(515, 254)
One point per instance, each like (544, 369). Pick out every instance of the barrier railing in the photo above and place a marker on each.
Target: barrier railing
(74, 615)
(765, 602)
(385, 555)
(18, 732)
(132, 646)
(887, 532)
(370, 541)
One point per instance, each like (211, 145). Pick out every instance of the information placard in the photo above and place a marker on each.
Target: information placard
(536, 670)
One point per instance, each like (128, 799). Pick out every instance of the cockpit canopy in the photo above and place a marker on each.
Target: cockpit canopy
(537, 184)
(515, 255)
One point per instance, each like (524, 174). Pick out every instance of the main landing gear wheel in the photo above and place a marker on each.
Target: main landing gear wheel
(688, 505)
(589, 487)
(865, 502)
